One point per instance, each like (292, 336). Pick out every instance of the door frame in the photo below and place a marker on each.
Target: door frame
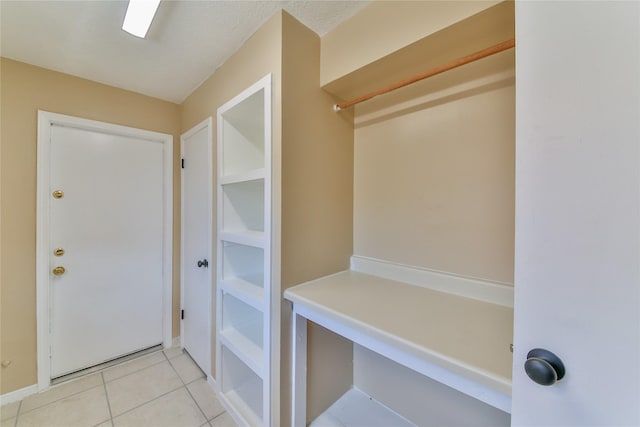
(205, 124)
(45, 121)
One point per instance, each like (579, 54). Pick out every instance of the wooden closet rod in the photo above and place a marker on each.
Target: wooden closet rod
(437, 70)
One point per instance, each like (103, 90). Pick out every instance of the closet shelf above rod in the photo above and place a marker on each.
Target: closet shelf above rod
(508, 44)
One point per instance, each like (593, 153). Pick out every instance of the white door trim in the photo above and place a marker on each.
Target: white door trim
(208, 124)
(45, 121)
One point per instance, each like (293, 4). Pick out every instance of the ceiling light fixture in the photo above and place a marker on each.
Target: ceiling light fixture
(139, 15)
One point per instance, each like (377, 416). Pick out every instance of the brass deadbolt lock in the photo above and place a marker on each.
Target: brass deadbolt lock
(58, 271)
(58, 194)
(58, 252)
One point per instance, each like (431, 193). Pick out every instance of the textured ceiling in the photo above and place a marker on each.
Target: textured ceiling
(187, 41)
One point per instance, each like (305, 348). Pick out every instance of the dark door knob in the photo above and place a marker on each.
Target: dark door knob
(204, 263)
(544, 367)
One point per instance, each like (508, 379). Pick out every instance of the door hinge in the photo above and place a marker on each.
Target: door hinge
(182, 163)
(181, 314)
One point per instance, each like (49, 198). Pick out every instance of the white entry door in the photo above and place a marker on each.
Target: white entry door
(577, 270)
(197, 183)
(106, 229)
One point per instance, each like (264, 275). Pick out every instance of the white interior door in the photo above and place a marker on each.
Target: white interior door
(109, 223)
(577, 270)
(197, 183)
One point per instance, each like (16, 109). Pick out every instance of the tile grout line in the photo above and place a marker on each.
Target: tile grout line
(104, 384)
(94, 373)
(15, 423)
(218, 416)
(197, 405)
(157, 397)
(214, 395)
(62, 398)
(101, 367)
(106, 394)
(133, 372)
(205, 379)
(187, 388)
(148, 401)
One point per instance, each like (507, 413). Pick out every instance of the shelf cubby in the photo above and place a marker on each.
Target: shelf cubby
(242, 388)
(242, 262)
(243, 206)
(239, 317)
(242, 273)
(243, 129)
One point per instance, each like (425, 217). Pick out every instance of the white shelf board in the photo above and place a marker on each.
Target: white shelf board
(461, 342)
(244, 237)
(252, 175)
(245, 291)
(246, 350)
(492, 292)
(241, 401)
(356, 409)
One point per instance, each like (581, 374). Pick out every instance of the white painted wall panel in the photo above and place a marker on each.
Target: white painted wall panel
(577, 269)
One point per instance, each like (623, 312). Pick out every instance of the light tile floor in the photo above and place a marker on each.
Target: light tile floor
(165, 388)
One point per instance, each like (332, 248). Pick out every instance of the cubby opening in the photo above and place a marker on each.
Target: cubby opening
(243, 206)
(243, 130)
(243, 322)
(423, 401)
(243, 265)
(242, 387)
(385, 393)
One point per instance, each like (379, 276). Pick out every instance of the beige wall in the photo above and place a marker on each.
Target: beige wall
(434, 181)
(24, 90)
(317, 208)
(434, 161)
(385, 27)
(317, 165)
(434, 173)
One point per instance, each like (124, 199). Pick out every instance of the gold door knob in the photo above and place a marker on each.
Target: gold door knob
(58, 194)
(58, 271)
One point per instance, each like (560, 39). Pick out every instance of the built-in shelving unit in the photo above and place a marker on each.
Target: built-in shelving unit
(243, 260)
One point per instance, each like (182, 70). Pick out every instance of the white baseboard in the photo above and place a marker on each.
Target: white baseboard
(492, 292)
(17, 395)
